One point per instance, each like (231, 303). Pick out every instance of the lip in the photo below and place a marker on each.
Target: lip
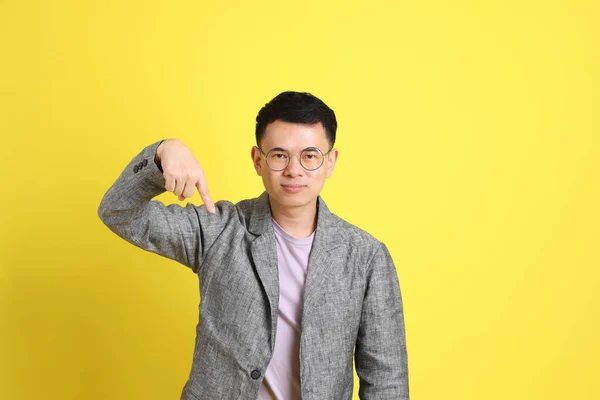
(293, 188)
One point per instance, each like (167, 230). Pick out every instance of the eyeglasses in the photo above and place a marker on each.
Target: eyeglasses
(310, 158)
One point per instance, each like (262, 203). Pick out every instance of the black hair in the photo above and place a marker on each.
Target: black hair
(299, 108)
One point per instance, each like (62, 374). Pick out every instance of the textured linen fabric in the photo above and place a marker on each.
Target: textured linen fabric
(351, 303)
(283, 372)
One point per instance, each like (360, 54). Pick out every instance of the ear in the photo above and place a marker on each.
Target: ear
(256, 160)
(331, 160)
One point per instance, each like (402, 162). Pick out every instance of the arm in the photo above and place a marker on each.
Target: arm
(380, 354)
(180, 233)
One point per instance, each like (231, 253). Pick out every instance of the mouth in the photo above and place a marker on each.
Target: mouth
(292, 188)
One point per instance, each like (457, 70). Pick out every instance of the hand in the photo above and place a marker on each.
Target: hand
(182, 172)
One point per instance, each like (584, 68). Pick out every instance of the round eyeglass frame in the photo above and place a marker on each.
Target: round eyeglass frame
(290, 157)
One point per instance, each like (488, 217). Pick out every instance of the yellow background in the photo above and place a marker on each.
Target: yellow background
(468, 144)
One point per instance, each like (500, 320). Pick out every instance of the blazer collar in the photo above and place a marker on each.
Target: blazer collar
(327, 236)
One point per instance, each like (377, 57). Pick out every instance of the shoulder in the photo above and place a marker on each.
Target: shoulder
(242, 207)
(364, 251)
(354, 239)
(353, 234)
(247, 205)
(248, 212)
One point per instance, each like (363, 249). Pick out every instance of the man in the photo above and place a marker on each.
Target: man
(290, 292)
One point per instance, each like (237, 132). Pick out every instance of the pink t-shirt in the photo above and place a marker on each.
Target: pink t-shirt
(282, 378)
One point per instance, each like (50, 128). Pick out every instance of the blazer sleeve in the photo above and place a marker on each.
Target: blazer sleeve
(180, 233)
(380, 352)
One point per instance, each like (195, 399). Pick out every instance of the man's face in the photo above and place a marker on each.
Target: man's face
(294, 186)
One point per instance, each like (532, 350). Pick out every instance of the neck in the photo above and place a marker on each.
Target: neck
(299, 222)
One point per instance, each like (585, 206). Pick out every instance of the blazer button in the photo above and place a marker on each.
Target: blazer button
(255, 374)
(136, 169)
(145, 162)
(140, 165)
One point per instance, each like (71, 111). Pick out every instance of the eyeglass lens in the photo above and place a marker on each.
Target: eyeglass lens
(310, 159)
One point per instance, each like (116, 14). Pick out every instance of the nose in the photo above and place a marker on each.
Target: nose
(294, 168)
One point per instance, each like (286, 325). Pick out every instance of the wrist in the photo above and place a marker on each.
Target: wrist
(157, 155)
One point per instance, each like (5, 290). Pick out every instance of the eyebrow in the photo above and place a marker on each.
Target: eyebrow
(308, 148)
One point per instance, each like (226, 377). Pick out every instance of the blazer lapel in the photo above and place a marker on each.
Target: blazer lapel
(326, 239)
(264, 254)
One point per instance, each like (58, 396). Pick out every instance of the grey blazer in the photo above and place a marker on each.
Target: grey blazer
(351, 306)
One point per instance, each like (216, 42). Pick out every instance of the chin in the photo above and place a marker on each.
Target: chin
(293, 199)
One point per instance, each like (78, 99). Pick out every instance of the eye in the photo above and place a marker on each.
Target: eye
(278, 155)
(310, 155)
